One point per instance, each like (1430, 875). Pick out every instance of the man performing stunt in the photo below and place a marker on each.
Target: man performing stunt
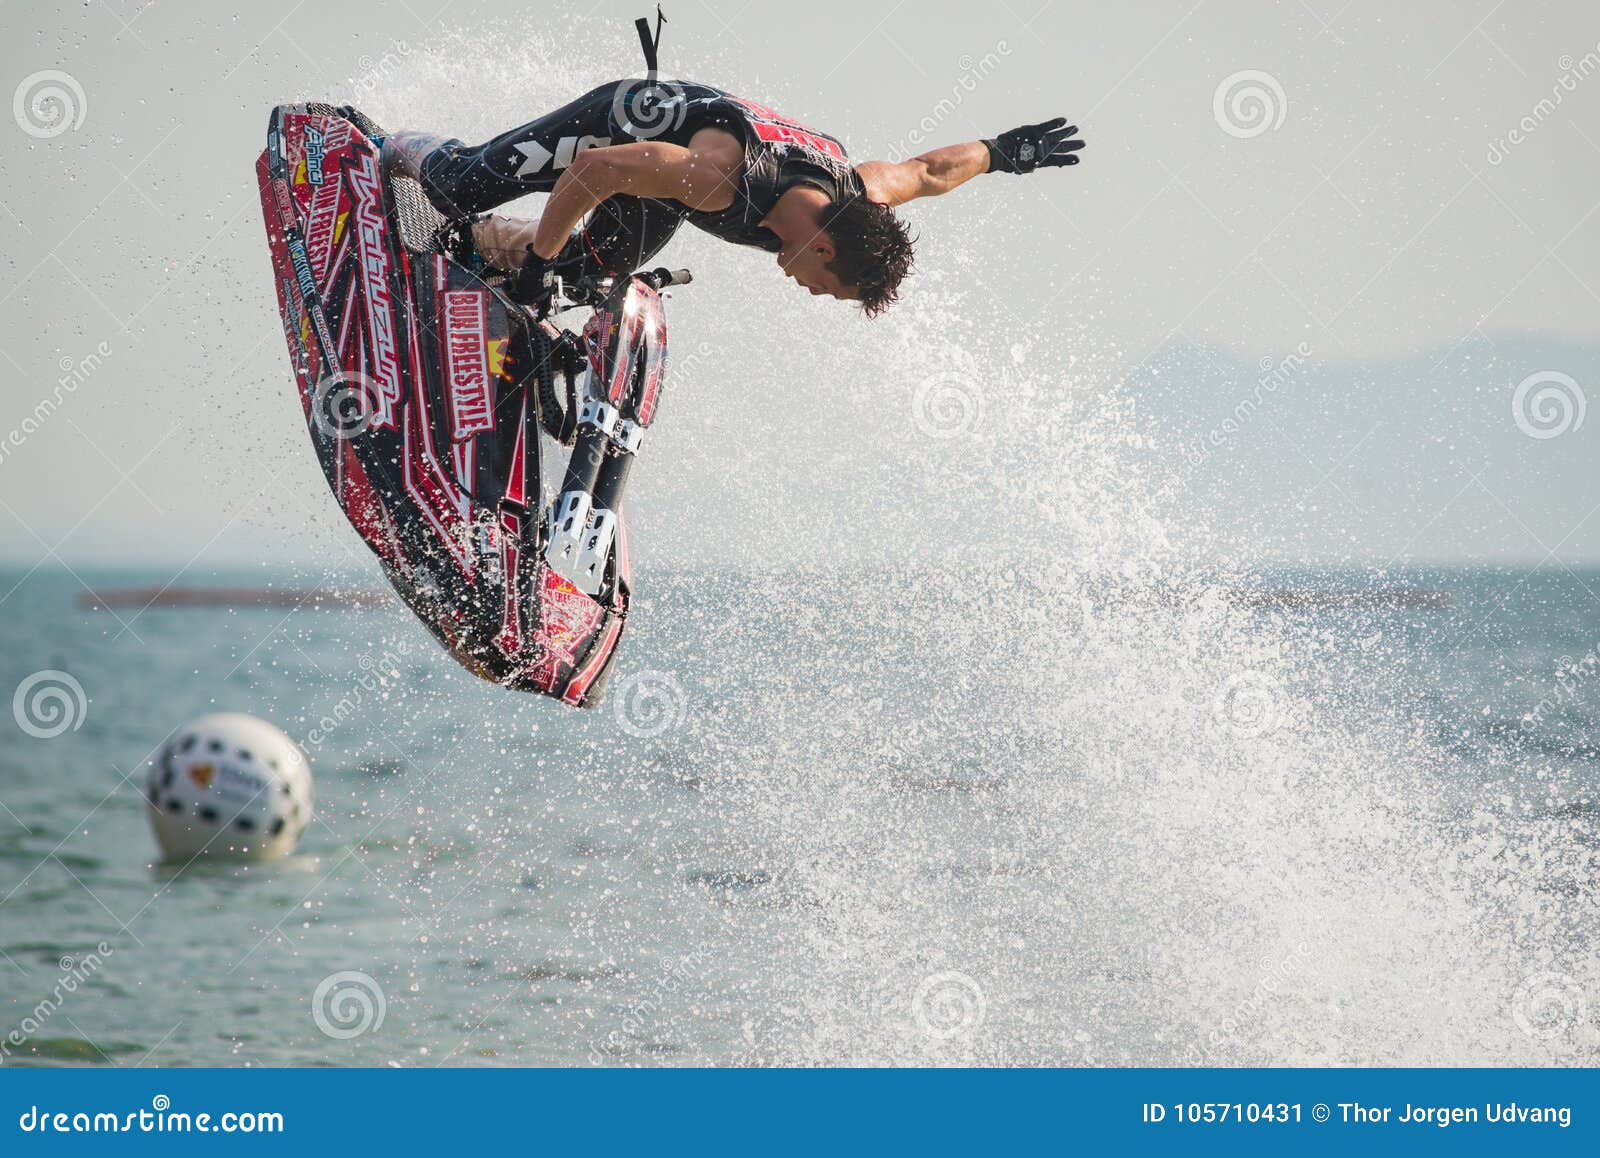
(638, 158)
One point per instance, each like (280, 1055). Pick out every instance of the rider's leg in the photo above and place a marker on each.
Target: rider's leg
(462, 180)
(620, 236)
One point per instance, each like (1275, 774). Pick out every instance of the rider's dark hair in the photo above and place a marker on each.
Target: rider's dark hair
(873, 250)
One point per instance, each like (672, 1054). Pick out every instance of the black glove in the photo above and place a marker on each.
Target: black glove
(1034, 146)
(533, 283)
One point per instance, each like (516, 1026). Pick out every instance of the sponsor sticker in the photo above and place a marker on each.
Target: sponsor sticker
(775, 128)
(314, 153)
(302, 270)
(374, 272)
(466, 339)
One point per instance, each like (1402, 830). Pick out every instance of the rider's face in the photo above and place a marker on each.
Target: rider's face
(808, 266)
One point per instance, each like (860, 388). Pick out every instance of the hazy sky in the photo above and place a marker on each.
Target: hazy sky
(1381, 216)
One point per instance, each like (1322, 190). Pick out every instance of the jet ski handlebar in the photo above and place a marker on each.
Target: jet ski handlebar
(597, 291)
(663, 277)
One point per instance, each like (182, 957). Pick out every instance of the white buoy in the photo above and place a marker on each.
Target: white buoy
(229, 785)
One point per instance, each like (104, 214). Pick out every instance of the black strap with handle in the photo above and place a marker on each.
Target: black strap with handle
(648, 43)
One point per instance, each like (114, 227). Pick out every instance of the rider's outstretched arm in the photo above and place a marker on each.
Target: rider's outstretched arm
(931, 174)
(1022, 150)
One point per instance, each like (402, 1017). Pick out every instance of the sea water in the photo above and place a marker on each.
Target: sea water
(901, 817)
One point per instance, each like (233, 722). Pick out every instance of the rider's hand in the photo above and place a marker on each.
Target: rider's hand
(1048, 145)
(531, 284)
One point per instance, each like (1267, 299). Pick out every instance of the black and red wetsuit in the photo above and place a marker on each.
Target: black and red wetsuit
(624, 233)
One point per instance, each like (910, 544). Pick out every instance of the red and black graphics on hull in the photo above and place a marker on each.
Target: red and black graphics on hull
(419, 383)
